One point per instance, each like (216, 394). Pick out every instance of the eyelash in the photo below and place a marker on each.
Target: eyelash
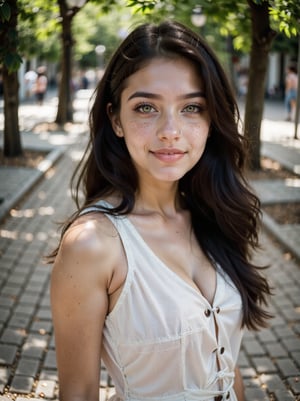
(199, 108)
(140, 106)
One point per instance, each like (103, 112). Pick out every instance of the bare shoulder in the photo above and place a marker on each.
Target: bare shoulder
(85, 250)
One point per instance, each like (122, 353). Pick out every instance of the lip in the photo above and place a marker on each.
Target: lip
(168, 154)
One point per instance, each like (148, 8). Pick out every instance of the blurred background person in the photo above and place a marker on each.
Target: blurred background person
(291, 84)
(41, 83)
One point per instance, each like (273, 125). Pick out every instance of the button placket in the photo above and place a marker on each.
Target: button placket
(214, 310)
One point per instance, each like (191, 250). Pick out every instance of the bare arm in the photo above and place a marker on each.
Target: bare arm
(79, 300)
(239, 385)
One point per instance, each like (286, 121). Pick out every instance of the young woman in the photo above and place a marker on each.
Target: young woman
(153, 272)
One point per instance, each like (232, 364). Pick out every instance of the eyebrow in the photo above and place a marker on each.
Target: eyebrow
(150, 95)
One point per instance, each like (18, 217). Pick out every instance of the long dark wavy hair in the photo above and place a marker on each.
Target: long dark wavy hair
(224, 211)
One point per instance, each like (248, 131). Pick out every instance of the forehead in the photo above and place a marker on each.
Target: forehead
(165, 73)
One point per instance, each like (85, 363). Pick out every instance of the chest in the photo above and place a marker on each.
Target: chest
(177, 248)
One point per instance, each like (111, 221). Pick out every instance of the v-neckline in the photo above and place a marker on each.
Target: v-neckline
(169, 270)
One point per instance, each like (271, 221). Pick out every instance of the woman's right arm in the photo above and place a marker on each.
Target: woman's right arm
(79, 287)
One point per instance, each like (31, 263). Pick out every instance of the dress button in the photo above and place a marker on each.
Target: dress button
(227, 396)
(217, 309)
(222, 349)
(207, 312)
(218, 398)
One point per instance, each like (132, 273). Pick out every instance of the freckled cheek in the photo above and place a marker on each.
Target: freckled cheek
(139, 129)
(197, 134)
(137, 135)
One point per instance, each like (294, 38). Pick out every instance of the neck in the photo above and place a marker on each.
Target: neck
(162, 199)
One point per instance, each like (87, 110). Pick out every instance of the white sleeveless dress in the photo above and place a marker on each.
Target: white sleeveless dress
(164, 341)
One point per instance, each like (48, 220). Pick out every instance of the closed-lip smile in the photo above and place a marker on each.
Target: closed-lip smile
(168, 151)
(168, 154)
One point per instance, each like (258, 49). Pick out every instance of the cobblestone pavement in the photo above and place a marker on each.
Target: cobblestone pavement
(269, 359)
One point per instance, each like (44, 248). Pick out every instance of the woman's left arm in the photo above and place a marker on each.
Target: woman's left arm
(239, 385)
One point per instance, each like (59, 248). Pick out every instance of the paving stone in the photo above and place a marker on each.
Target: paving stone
(7, 354)
(34, 346)
(45, 389)
(294, 383)
(275, 350)
(283, 395)
(6, 301)
(29, 298)
(50, 360)
(10, 290)
(264, 365)
(4, 314)
(13, 336)
(278, 321)
(256, 394)
(21, 384)
(44, 314)
(242, 359)
(287, 367)
(25, 310)
(273, 382)
(19, 321)
(296, 357)
(291, 344)
(291, 313)
(23, 271)
(41, 327)
(248, 372)
(284, 331)
(248, 335)
(49, 374)
(266, 336)
(27, 367)
(4, 376)
(253, 347)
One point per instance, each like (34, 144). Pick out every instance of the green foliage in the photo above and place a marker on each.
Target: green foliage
(142, 6)
(229, 17)
(5, 11)
(104, 29)
(286, 16)
(9, 41)
(39, 29)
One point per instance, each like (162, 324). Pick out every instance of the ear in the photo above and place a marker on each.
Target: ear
(114, 120)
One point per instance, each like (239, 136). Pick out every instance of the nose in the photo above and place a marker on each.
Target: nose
(169, 128)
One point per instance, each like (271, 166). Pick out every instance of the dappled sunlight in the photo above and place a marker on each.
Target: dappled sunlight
(276, 130)
(44, 165)
(8, 234)
(27, 236)
(41, 236)
(29, 213)
(297, 169)
(292, 182)
(46, 211)
(76, 155)
(42, 195)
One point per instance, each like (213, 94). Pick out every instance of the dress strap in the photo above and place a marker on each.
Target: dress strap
(121, 226)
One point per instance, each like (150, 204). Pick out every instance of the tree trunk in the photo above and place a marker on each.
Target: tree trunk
(8, 35)
(262, 36)
(12, 138)
(65, 104)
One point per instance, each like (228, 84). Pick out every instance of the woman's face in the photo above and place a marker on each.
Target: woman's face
(164, 119)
